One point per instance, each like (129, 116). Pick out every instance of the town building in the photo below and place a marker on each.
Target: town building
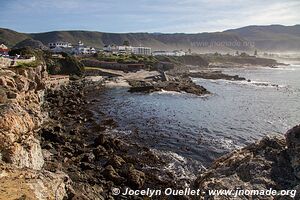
(52, 45)
(169, 53)
(141, 50)
(60, 47)
(67, 47)
(3, 50)
(114, 49)
(117, 49)
(80, 48)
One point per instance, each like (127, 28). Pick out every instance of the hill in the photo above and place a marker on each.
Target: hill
(275, 38)
(11, 38)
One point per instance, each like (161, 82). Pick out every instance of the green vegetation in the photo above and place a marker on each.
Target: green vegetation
(127, 58)
(67, 65)
(28, 52)
(126, 43)
(10, 37)
(32, 64)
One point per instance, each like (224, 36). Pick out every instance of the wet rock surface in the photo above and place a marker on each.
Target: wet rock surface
(84, 147)
(214, 75)
(176, 85)
(272, 162)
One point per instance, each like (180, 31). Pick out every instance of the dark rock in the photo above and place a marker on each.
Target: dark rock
(293, 143)
(100, 140)
(88, 157)
(53, 137)
(214, 75)
(99, 152)
(109, 122)
(86, 166)
(11, 95)
(180, 85)
(116, 161)
(111, 174)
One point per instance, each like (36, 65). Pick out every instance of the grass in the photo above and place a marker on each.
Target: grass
(127, 58)
(31, 64)
(92, 68)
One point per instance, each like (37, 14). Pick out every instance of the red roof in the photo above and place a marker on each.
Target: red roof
(4, 50)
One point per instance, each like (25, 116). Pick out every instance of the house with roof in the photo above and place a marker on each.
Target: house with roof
(4, 50)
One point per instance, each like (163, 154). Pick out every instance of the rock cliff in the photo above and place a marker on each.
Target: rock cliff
(21, 158)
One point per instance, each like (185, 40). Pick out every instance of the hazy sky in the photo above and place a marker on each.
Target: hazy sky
(188, 16)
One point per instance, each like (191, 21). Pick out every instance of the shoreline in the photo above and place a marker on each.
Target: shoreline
(80, 149)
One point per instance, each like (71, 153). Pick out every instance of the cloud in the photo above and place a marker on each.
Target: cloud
(145, 15)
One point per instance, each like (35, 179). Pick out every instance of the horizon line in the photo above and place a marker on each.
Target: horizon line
(88, 30)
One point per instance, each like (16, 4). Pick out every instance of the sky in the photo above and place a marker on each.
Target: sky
(165, 16)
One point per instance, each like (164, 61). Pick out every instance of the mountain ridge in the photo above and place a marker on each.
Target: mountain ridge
(264, 38)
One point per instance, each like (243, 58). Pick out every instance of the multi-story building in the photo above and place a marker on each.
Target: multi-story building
(141, 50)
(168, 53)
(60, 44)
(117, 49)
(127, 50)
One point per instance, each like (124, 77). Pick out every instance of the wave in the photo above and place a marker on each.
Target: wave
(182, 169)
(168, 92)
(174, 93)
(245, 82)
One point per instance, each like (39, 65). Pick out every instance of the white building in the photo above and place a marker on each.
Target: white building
(81, 49)
(53, 45)
(127, 50)
(168, 53)
(141, 50)
(66, 47)
(118, 49)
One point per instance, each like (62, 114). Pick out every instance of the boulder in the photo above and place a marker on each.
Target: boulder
(111, 174)
(32, 184)
(293, 143)
(261, 166)
(116, 161)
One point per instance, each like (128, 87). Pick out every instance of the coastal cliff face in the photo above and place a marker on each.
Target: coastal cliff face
(21, 157)
(269, 163)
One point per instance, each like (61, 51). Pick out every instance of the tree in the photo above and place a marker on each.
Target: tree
(126, 43)
(255, 52)
(244, 54)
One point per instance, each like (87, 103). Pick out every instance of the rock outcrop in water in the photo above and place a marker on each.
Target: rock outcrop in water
(270, 163)
(177, 85)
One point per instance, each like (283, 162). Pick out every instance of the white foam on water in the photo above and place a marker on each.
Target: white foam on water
(249, 83)
(168, 92)
(174, 93)
(177, 165)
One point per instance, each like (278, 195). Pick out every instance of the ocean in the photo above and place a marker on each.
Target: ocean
(192, 130)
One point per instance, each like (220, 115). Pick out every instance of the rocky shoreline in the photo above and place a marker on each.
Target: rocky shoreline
(57, 147)
(83, 146)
